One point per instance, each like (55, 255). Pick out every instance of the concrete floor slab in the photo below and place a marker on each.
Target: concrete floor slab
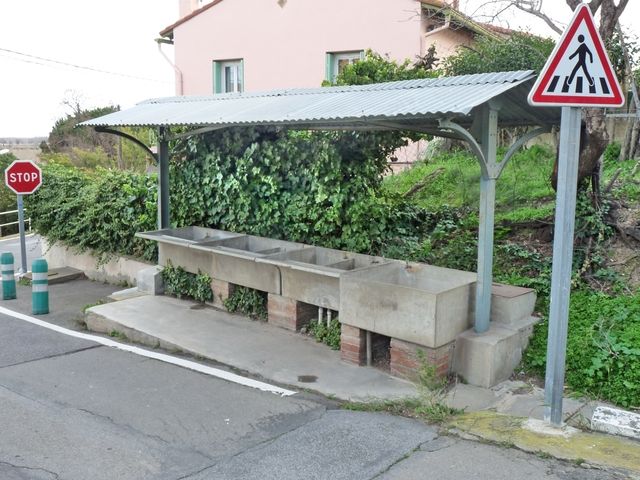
(261, 349)
(531, 404)
(470, 398)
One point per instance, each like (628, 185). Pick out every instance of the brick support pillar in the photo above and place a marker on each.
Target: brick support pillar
(221, 291)
(405, 361)
(289, 313)
(353, 347)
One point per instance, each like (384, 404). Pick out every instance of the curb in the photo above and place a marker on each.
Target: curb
(536, 436)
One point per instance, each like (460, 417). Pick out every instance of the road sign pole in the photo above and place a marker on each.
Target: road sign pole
(562, 262)
(23, 243)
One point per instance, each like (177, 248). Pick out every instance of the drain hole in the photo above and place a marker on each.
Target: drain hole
(307, 378)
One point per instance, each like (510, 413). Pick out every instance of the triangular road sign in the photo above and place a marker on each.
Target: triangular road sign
(578, 72)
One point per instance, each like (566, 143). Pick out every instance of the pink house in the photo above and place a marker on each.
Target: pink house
(238, 45)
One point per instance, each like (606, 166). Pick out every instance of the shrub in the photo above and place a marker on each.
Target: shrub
(313, 187)
(603, 347)
(249, 302)
(329, 335)
(180, 283)
(100, 210)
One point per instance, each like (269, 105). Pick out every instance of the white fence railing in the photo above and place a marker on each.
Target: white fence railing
(4, 225)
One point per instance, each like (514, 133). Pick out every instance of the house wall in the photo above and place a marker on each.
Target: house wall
(286, 46)
(446, 41)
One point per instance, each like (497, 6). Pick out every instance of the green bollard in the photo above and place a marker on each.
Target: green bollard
(40, 286)
(8, 278)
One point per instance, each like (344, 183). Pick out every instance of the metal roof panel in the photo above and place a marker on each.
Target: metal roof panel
(429, 99)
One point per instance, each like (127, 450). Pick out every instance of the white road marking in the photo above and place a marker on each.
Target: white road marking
(214, 372)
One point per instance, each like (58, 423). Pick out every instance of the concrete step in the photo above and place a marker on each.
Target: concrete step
(126, 294)
(59, 275)
(509, 304)
(489, 358)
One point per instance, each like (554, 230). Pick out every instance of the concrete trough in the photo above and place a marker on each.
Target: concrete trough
(234, 260)
(174, 243)
(312, 275)
(418, 303)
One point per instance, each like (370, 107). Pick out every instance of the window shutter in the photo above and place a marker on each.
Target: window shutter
(328, 68)
(217, 77)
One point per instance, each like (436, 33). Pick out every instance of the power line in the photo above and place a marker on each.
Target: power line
(73, 65)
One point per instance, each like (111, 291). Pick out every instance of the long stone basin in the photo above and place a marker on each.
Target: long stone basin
(312, 275)
(174, 246)
(418, 303)
(235, 260)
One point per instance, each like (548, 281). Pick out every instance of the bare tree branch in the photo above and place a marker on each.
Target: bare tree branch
(534, 7)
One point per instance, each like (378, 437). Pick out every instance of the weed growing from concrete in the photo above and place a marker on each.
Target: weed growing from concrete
(428, 406)
(329, 335)
(249, 302)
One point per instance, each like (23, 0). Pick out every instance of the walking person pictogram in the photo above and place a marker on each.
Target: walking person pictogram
(581, 52)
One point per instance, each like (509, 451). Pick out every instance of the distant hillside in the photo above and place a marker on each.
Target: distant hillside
(23, 148)
(7, 142)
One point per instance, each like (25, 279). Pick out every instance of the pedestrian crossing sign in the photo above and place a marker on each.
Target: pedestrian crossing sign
(578, 72)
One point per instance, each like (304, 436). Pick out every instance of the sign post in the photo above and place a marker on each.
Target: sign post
(23, 178)
(577, 74)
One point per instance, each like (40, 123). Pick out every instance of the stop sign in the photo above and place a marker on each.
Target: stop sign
(23, 177)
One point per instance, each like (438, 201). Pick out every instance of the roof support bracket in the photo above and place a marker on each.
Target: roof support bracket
(197, 131)
(473, 144)
(530, 135)
(122, 134)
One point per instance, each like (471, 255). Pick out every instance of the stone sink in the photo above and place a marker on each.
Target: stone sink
(312, 274)
(174, 246)
(418, 303)
(234, 260)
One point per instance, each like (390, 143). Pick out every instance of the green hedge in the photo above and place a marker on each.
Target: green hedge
(314, 187)
(100, 210)
(319, 188)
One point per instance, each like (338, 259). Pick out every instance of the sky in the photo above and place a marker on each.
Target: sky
(117, 36)
(112, 35)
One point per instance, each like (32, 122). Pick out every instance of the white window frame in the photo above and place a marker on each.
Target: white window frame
(220, 76)
(333, 62)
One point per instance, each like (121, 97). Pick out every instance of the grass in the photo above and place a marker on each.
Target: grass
(429, 406)
(603, 356)
(523, 191)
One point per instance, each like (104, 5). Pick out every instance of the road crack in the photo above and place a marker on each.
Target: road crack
(55, 476)
(55, 355)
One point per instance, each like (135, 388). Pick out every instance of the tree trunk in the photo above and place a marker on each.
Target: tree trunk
(635, 137)
(627, 146)
(593, 141)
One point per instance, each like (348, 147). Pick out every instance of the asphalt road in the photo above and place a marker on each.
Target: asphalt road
(73, 409)
(33, 247)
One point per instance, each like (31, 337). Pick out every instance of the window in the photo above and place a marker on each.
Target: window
(228, 76)
(336, 61)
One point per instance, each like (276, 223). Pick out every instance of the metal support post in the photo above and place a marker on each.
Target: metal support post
(485, 254)
(23, 241)
(163, 179)
(488, 139)
(562, 262)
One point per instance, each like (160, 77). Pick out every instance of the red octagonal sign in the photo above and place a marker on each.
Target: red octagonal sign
(23, 177)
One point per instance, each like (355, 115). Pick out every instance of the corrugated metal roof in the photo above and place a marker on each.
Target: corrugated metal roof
(415, 103)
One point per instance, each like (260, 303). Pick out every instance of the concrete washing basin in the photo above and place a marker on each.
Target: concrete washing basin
(234, 260)
(312, 274)
(174, 243)
(414, 302)
(185, 235)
